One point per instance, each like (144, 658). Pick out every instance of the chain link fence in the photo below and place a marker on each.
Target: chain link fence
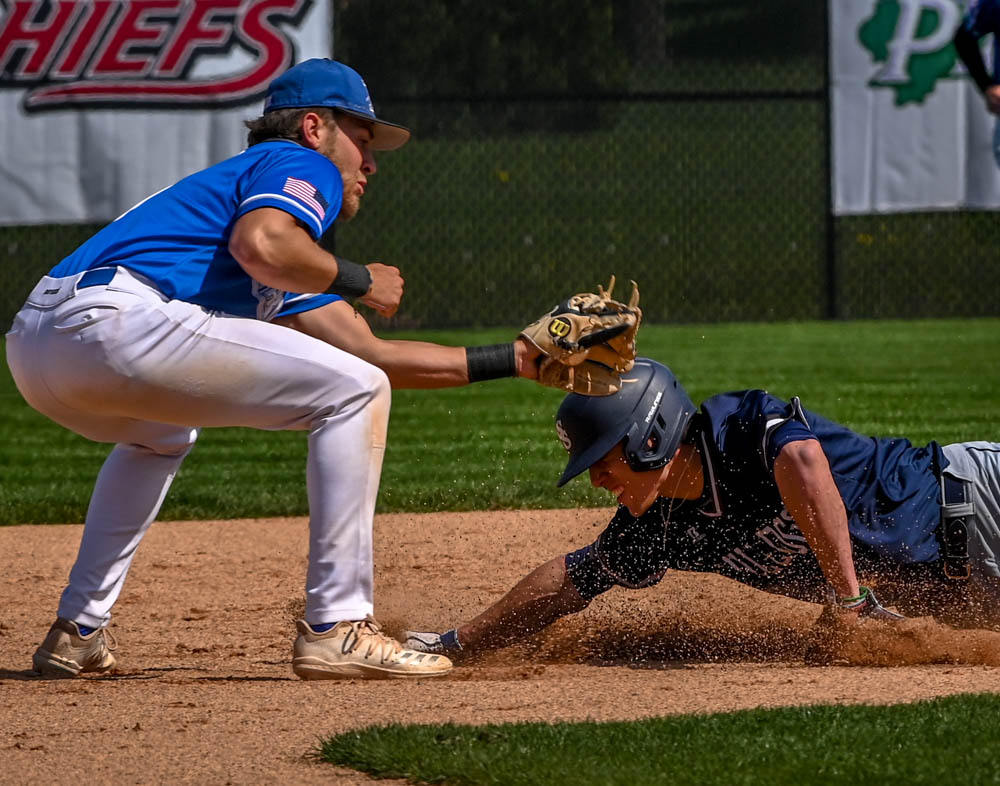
(680, 143)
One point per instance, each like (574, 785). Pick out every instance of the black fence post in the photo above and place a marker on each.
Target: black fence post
(832, 273)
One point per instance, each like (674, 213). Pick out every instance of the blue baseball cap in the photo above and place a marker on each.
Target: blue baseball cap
(325, 82)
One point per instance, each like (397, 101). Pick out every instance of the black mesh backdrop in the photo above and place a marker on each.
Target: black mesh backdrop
(682, 143)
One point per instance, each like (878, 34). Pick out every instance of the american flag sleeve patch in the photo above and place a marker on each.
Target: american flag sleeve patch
(308, 193)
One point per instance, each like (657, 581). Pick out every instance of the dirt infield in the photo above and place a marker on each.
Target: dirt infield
(205, 694)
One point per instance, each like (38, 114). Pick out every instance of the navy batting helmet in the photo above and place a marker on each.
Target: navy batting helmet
(650, 413)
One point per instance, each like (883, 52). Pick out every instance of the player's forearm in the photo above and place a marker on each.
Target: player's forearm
(288, 261)
(967, 46)
(275, 251)
(423, 365)
(535, 602)
(408, 364)
(825, 528)
(813, 500)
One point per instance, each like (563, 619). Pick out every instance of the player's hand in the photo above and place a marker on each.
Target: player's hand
(588, 341)
(527, 356)
(865, 606)
(386, 290)
(834, 639)
(848, 612)
(993, 99)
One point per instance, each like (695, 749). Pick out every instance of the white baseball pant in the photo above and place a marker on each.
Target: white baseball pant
(979, 463)
(121, 363)
(996, 141)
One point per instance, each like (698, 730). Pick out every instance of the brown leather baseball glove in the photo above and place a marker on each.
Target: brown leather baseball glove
(588, 341)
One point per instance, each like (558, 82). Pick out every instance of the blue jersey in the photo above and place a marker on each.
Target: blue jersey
(297, 304)
(179, 237)
(740, 528)
(982, 17)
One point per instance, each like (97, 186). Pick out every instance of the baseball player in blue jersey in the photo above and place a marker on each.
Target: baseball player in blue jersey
(177, 316)
(982, 18)
(769, 494)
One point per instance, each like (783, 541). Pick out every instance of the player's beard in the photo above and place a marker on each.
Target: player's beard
(351, 201)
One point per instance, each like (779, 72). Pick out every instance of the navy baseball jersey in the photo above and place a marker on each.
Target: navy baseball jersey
(178, 238)
(739, 527)
(982, 17)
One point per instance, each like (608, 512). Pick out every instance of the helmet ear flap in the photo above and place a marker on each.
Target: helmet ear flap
(645, 449)
(633, 447)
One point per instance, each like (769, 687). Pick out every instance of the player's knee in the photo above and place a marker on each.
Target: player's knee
(592, 573)
(555, 584)
(362, 387)
(379, 393)
(585, 575)
(571, 600)
(174, 443)
(379, 385)
(371, 381)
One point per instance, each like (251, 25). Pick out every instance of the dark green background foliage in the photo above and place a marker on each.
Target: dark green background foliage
(682, 143)
(430, 49)
(465, 47)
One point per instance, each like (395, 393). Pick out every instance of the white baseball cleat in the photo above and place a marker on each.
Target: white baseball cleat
(66, 652)
(359, 650)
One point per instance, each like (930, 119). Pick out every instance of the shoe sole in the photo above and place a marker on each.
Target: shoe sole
(315, 669)
(49, 665)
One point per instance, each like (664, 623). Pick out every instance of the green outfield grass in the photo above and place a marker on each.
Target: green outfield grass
(492, 445)
(940, 742)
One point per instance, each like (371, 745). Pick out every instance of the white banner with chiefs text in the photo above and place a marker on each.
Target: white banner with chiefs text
(104, 102)
(910, 128)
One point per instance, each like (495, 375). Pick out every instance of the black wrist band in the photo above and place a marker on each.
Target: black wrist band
(491, 362)
(353, 280)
